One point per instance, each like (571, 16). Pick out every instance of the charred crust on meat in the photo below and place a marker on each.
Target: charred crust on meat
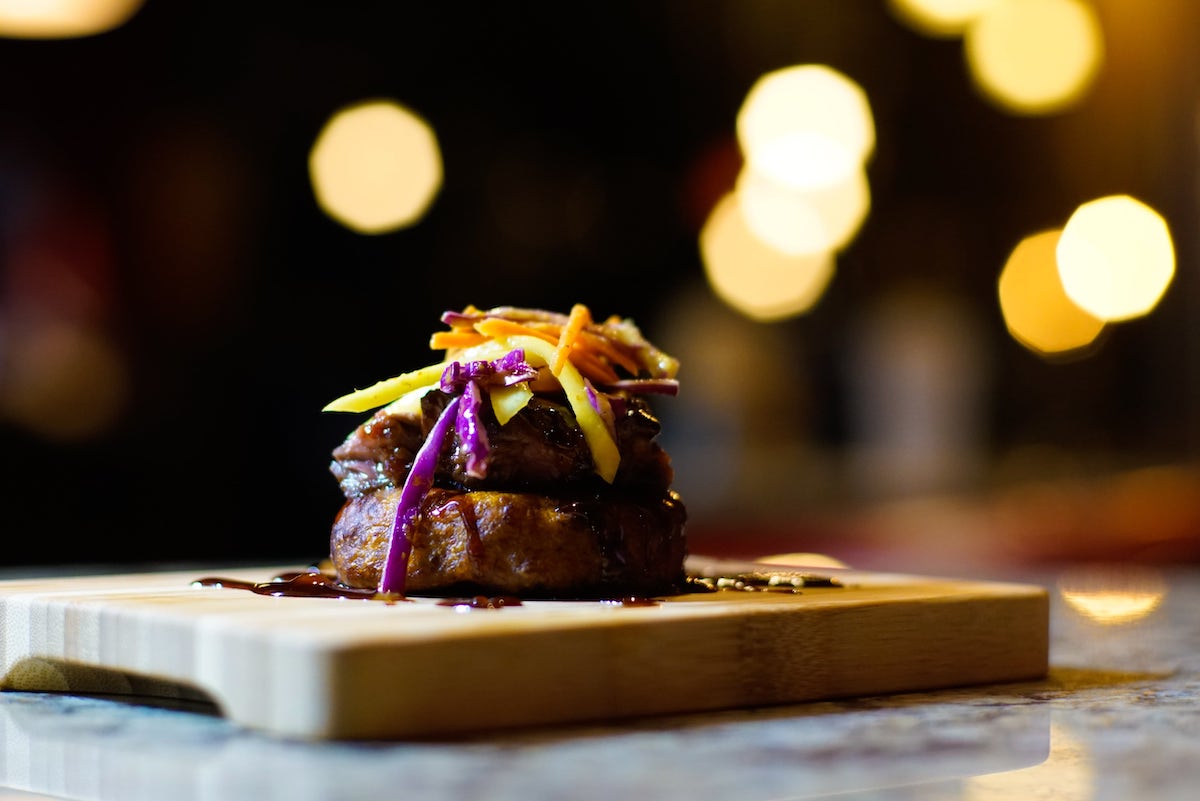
(594, 545)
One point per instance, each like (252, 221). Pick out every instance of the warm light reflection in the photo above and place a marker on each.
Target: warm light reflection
(1113, 607)
(806, 126)
(375, 167)
(1112, 595)
(1116, 258)
(1068, 774)
(752, 277)
(1036, 310)
(804, 222)
(803, 559)
(942, 18)
(1034, 56)
(63, 19)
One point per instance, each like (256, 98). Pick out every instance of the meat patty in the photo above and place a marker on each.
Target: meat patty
(602, 544)
(540, 449)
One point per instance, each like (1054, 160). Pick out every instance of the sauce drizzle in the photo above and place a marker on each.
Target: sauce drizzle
(481, 602)
(301, 584)
(315, 583)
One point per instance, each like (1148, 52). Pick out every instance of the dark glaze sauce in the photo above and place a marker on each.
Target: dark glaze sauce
(481, 602)
(315, 583)
(303, 584)
(466, 512)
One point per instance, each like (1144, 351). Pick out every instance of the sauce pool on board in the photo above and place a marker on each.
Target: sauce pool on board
(315, 583)
(301, 584)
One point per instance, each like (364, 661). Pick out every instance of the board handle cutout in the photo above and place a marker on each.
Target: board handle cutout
(38, 674)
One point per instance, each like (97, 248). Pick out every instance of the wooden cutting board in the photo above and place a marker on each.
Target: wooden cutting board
(329, 668)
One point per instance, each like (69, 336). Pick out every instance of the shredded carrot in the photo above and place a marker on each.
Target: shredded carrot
(608, 349)
(589, 362)
(590, 365)
(579, 317)
(458, 338)
(498, 328)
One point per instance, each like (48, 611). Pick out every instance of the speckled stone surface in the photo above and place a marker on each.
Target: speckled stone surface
(1118, 718)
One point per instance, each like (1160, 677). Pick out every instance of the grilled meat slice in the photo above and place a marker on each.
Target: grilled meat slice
(541, 448)
(379, 453)
(602, 544)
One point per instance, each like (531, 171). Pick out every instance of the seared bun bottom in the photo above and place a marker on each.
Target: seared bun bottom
(602, 544)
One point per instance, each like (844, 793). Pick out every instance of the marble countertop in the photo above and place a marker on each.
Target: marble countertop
(1117, 718)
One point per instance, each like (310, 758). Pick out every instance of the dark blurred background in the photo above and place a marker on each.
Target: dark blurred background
(175, 308)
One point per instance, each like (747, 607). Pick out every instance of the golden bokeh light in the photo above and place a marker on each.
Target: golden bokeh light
(375, 167)
(940, 18)
(806, 126)
(1112, 595)
(803, 559)
(1034, 56)
(63, 19)
(64, 381)
(752, 277)
(1116, 258)
(803, 222)
(1113, 607)
(1036, 309)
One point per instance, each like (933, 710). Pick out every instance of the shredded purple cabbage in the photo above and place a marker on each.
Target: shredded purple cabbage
(465, 381)
(468, 379)
(471, 432)
(509, 369)
(513, 369)
(658, 386)
(416, 485)
(454, 318)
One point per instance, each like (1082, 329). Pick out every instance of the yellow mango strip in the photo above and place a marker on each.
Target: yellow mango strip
(409, 404)
(507, 401)
(605, 456)
(458, 338)
(579, 317)
(390, 389)
(386, 391)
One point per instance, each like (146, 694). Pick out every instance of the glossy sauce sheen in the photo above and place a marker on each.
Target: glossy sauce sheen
(466, 513)
(481, 602)
(310, 584)
(317, 584)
